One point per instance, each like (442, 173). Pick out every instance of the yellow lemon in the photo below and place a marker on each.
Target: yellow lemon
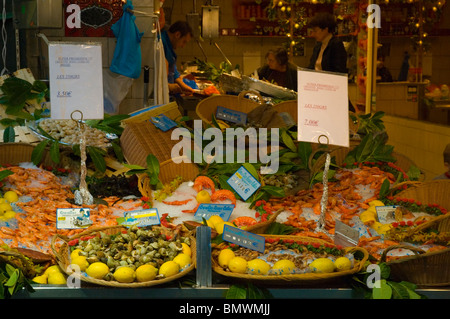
(210, 224)
(283, 267)
(9, 214)
(343, 263)
(367, 217)
(97, 270)
(186, 249)
(75, 253)
(215, 219)
(4, 207)
(146, 273)
(169, 268)
(11, 196)
(81, 262)
(219, 227)
(322, 265)
(124, 274)
(183, 260)
(257, 267)
(222, 125)
(42, 279)
(237, 265)
(56, 278)
(203, 197)
(52, 269)
(225, 256)
(2, 200)
(376, 203)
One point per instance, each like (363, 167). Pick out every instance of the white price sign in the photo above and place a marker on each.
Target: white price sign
(323, 107)
(76, 82)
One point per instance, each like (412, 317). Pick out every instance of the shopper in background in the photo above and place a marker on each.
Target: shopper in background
(329, 53)
(175, 37)
(278, 70)
(445, 175)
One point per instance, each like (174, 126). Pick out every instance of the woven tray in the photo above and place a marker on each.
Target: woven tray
(16, 153)
(62, 256)
(208, 107)
(140, 139)
(260, 228)
(290, 107)
(168, 171)
(429, 192)
(424, 269)
(306, 278)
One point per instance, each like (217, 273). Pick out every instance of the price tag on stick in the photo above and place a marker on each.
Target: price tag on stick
(76, 79)
(323, 107)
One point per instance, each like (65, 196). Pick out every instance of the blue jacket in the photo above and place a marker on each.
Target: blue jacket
(171, 57)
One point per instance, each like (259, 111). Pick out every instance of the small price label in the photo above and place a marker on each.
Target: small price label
(73, 218)
(141, 218)
(163, 122)
(243, 238)
(244, 183)
(386, 214)
(222, 113)
(207, 210)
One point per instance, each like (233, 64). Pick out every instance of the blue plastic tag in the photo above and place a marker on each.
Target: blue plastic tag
(141, 218)
(163, 122)
(73, 218)
(243, 238)
(207, 210)
(244, 183)
(222, 113)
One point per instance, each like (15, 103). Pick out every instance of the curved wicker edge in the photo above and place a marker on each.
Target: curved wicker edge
(61, 256)
(260, 228)
(229, 101)
(419, 261)
(429, 192)
(307, 277)
(443, 222)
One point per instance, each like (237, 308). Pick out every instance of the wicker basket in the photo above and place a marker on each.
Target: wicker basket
(424, 269)
(306, 278)
(340, 153)
(260, 228)
(168, 171)
(290, 107)
(62, 257)
(16, 153)
(429, 192)
(207, 107)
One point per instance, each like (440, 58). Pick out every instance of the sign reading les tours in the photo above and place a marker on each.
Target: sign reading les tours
(91, 18)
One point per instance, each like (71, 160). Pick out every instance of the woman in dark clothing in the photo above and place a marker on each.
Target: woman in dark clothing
(278, 70)
(329, 53)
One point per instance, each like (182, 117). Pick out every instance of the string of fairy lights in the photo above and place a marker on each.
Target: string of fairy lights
(292, 16)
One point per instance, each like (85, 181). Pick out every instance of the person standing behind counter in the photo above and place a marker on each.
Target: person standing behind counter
(173, 38)
(279, 70)
(329, 53)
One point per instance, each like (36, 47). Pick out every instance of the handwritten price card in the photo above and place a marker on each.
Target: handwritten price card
(76, 80)
(323, 107)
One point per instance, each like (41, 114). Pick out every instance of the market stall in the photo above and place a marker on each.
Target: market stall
(213, 195)
(140, 230)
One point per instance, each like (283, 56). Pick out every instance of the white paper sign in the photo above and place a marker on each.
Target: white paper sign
(76, 82)
(323, 107)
